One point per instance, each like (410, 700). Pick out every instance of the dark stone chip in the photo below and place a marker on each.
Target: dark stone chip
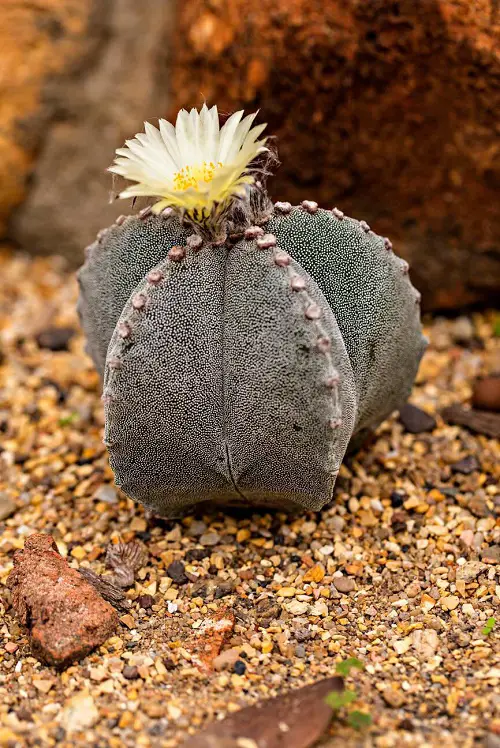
(223, 589)
(466, 466)
(449, 491)
(398, 522)
(197, 554)
(397, 499)
(59, 734)
(24, 714)
(406, 724)
(176, 572)
(239, 667)
(55, 338)
(415, 420)
(159, 728)
(169, 664)
(145, 601)
(491, 555)
(130, 672)
(267, 610)
(200, 589)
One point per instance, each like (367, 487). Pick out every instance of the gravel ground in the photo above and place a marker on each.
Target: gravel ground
(401, 572)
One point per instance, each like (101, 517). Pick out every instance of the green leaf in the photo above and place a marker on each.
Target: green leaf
(358, 720)
(338, 700)
(496, 327)
(489, 626)
(345, 667)
(68, 420)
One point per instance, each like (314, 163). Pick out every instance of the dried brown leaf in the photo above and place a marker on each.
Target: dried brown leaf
(297, 719)
(109, 591)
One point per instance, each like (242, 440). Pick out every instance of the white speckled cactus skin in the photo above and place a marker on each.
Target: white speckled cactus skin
(239, 373)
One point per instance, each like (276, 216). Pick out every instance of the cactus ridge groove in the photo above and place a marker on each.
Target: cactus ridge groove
(332, 375)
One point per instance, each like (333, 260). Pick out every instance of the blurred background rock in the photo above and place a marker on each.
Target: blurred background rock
(387, 108)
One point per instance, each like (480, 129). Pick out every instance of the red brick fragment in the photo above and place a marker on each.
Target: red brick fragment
(65, 616)
(207, 640)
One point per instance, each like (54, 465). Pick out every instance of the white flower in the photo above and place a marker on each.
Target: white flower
(194, 166)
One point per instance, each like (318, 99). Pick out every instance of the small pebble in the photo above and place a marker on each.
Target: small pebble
(177, 572)
(462, 330)
(466, 466)
(478, 506)
(239, 667)
(491, 555)
(196, 528)
(107, 494)
(415, 420)
(145, 601)
(413, 589)
(450, 602)
(486, 393)
(226, 659)
(130, 672)
(210, 538)
(55, 338)
(344, 584)
(393, 697)
(397, 499)
(7, 507)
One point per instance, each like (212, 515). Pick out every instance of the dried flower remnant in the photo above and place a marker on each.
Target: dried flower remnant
(125, 559)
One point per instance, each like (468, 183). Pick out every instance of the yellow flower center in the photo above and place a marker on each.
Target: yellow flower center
(191, 176)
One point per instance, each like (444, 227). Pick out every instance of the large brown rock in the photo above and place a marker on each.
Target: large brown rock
(64, 614)
(388, 109)
(86, 107)
(39, 40)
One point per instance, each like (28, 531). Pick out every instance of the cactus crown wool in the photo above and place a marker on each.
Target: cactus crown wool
(237, 370)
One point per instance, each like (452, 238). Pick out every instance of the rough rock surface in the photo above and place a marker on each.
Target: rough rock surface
(65, 616)
(386, 108)
(117, 79)
(39, 40)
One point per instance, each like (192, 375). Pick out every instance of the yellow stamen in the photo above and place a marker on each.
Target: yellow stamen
(191, 176)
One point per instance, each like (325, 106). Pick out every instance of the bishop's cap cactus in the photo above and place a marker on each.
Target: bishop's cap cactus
(243, 345)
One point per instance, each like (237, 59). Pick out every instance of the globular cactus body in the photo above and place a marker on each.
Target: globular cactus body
(239, 372)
